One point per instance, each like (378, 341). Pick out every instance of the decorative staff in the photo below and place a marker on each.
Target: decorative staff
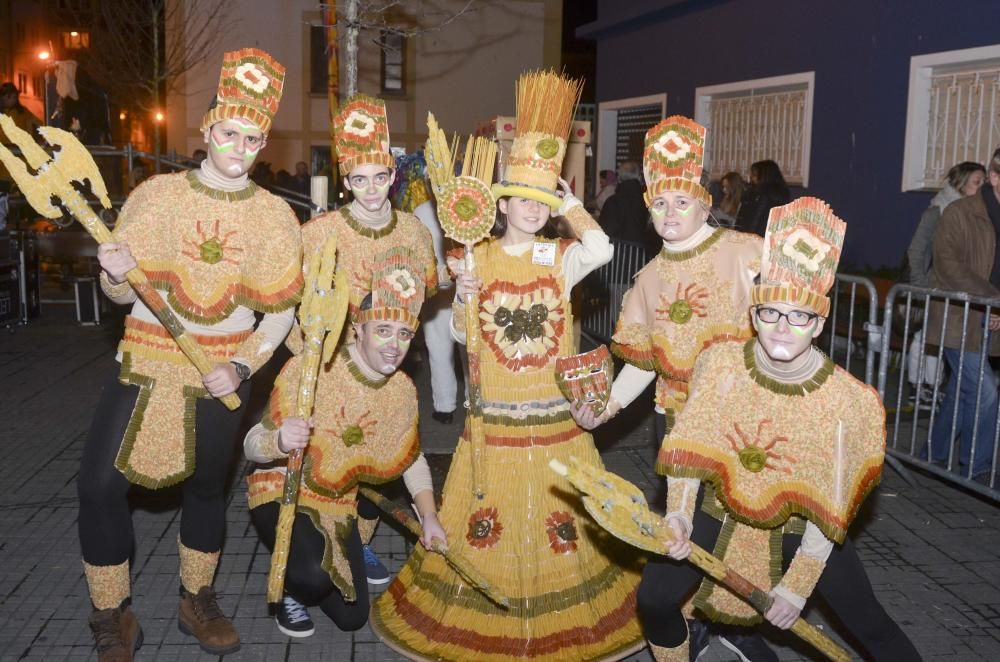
(462, 566)
(323, 311)
(55, 177)
(467, 210)
(619, 506)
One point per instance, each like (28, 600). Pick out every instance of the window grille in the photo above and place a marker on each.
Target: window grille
(755, 120)
(962, 124)
(951, 114)
(633, 123)
(393, 63)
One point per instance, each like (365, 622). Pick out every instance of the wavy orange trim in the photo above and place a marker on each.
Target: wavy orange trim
(781, 506)
(654, 355)
(472, 640)
(227, 302)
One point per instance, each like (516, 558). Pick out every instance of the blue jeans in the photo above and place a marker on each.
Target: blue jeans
(961, 391)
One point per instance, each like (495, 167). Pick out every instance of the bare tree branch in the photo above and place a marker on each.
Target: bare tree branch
(381, 17)
(130, 56)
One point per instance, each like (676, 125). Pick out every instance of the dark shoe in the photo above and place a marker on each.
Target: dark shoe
(293, 618)
(748, 645)
(117, 634)
(443, 416)
(697, 639)
(199, 616)
(374, 570)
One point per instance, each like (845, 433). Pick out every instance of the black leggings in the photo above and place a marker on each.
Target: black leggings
(305, 578)
(105, 523)
(844, 586)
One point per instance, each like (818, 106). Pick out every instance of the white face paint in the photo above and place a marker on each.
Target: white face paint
(370, 185)
(782, 341)
(383, 344)
(677, 216)
(233, 145)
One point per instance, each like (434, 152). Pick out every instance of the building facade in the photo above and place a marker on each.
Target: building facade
(462, 70)
(864, 103)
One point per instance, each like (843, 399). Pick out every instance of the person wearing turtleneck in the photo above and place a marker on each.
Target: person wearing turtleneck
(814, 425)
(218, 250)
(768, 463)
(363, 430)
(370, 234)
(693, 249)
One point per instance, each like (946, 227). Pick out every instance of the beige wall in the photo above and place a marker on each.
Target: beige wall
(464, 72)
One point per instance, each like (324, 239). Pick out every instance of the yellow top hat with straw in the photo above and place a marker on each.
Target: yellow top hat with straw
(546, 102)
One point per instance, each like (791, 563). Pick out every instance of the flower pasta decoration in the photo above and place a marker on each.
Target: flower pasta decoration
(466, 209)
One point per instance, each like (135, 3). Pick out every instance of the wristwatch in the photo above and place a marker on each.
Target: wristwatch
(242, 370)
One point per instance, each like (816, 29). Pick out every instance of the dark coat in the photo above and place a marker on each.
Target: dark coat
(963, 253)
(756, 207)
(625, 216)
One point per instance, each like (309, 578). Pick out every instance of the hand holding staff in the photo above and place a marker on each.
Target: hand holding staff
(55, 177)
(461, 564)
(467, 210)
(619, 506)
(323, 310)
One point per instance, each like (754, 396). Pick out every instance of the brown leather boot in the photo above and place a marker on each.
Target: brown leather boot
(199, 616)
(117, 634)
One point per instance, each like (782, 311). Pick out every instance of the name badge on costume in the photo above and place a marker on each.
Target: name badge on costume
(544, 254)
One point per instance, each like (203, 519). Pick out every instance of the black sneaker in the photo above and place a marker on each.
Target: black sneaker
(374, 570)
(697, 640)
(293, 618)
(748, 645)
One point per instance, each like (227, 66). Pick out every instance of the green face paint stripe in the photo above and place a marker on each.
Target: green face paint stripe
(684, 212)
(222, 148)
(802, 330)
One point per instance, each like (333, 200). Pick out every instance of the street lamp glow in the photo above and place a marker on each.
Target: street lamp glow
(74, 33)
(44, 55)
(121, 115)
(159, 116)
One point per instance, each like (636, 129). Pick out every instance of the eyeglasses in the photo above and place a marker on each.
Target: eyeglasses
(793, 317)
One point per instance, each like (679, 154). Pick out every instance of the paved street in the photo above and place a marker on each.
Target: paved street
(932, 552)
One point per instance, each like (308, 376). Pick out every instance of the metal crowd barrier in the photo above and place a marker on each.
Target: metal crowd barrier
(928, 412)
(851, 332)
(854, 339)
(605, 288)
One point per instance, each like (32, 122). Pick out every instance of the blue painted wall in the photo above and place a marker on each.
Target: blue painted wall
(860, 51)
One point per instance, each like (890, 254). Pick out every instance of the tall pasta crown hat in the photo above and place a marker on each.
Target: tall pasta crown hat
(397, 289)
(801, 252)
(673, 158)
(361, 132)
(546, 102)
(250, 87)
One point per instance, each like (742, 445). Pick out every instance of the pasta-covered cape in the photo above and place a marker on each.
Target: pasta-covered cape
(684, 302)
(209, 251)
(365, 432)
(816, 452)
